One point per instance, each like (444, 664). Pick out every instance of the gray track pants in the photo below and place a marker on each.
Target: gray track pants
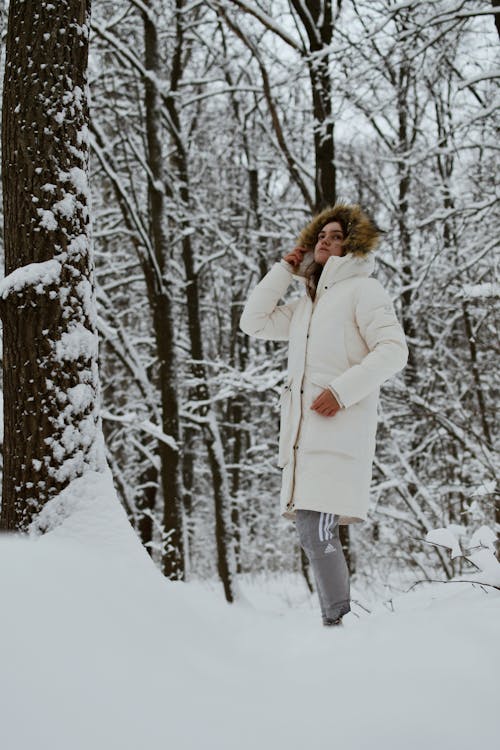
(319, 538)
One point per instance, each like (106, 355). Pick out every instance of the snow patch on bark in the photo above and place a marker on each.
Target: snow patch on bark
(78, 178)
(78, 342)
(81, 396)
(66, 206)
(38, 275)
(47, 219)
(86, 295)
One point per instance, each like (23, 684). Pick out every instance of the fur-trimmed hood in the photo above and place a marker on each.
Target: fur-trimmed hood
(362, 234)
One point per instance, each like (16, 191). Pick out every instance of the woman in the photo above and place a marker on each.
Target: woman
(344, 342)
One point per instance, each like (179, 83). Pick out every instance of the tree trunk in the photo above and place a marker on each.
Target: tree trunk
(317, 20)
(404, 184)
(161, 303)
(145, 505)
(51, 388)
(209, 425)
(152, 262)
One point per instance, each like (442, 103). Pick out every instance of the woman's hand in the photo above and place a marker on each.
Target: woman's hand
(326, 404)
(296, 256)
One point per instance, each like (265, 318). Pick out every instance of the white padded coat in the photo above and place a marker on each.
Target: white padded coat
(349, 340)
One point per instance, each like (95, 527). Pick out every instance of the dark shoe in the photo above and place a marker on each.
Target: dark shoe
(328, 623)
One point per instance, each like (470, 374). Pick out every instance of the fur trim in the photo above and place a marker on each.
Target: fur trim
(362, 233)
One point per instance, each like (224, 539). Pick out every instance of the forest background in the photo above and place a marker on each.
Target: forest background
(216, 129)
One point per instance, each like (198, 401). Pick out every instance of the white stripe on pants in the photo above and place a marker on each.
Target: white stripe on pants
(319, 538)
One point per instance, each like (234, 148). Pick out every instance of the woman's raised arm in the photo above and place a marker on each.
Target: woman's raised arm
(262, 316)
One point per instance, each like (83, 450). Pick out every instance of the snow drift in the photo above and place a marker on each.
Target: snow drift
(98, 651)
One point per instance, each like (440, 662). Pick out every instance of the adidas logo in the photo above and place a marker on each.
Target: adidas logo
(329, 549)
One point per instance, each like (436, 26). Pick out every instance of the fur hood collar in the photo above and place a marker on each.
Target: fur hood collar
(361, 233)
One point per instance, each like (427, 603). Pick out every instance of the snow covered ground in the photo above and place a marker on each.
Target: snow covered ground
(98, 651)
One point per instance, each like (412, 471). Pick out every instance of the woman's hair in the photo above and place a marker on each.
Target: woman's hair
(312, 274)
(361, 235)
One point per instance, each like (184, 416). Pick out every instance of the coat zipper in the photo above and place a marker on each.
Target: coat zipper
(290, 503)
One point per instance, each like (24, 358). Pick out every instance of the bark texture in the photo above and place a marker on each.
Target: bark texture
(52, 429)
(160, 299)
(317, 20)
(209, 424)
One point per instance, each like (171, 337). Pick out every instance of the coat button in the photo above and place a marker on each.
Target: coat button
(326, 287)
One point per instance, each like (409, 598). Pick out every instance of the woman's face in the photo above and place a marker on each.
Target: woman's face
(329, 242)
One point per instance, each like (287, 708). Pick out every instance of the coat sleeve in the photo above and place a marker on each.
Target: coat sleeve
(385, 339)
(262, 316)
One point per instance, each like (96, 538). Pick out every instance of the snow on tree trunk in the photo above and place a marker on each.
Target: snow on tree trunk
(51, 387)
(209, 424)
(161, 303)
(318, 24)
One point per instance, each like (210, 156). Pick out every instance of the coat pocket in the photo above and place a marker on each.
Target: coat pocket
(285, 439)
(347, 433)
